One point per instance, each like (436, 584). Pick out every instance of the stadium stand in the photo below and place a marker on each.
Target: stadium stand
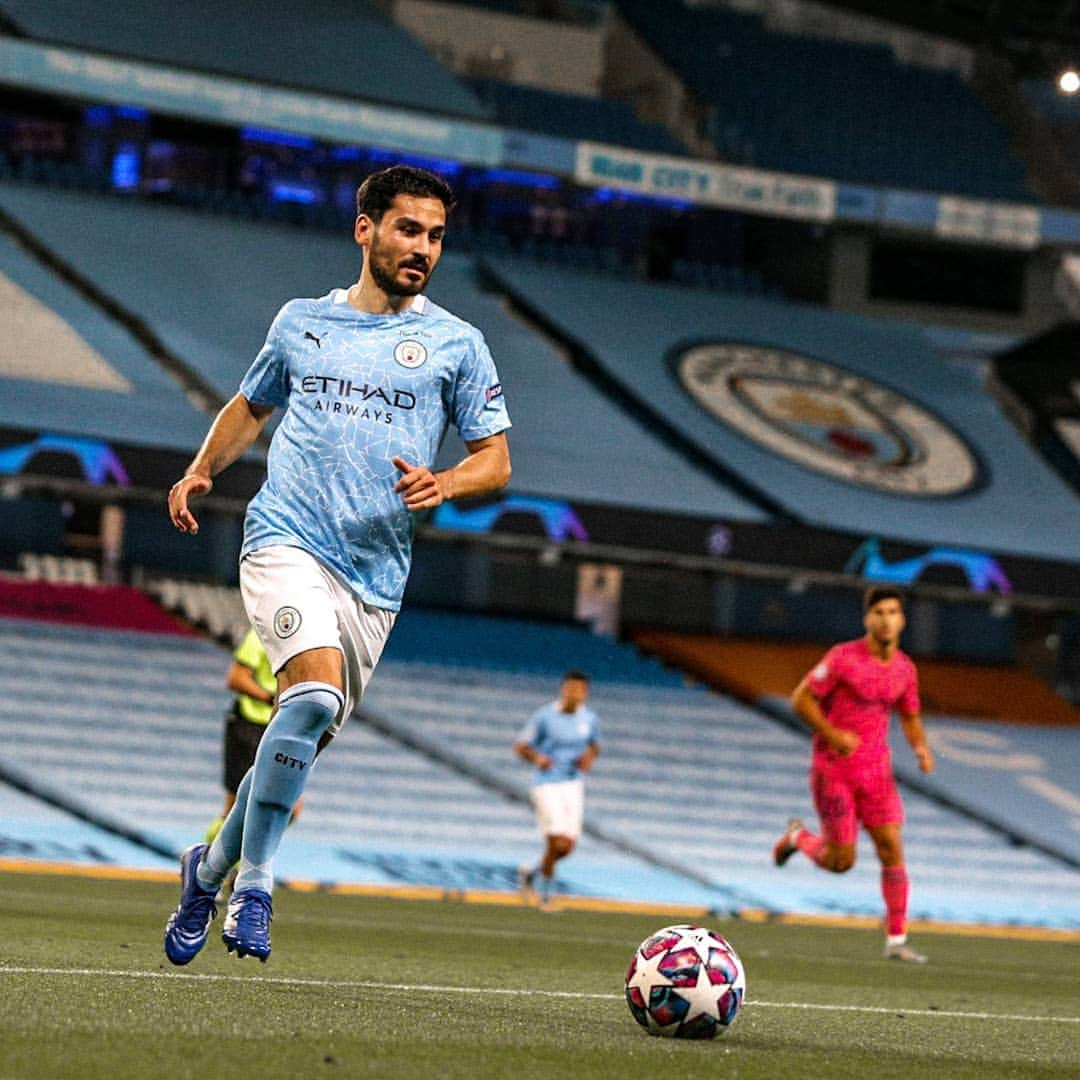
(757, 668)
(53, 568)
(516, 645)
(66, 368)
(605, 233)
(109, 707)
(632, 331)
(187, 275)
(217, 609)
(1006, 745)
(221, 281)
(354, 51)
(687, 778)
(573, 116)
(829, 108)
(33, 829)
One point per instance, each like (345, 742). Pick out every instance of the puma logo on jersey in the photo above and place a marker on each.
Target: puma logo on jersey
(309, 334)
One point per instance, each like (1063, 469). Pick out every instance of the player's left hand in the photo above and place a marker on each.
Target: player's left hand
(419, 487)
(925, 757)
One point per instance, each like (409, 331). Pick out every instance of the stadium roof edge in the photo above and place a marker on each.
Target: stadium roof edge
(92, 76)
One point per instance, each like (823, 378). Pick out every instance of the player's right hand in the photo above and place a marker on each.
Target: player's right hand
(185, 488)
(843, 742)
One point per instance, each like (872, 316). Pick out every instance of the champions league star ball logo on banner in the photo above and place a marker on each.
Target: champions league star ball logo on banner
(828, 419)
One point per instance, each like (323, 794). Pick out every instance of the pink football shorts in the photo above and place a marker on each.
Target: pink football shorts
(845, 797)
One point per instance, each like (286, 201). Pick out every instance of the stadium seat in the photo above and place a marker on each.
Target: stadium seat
(361, 53)
(221, 281)
(574, 116)
(632, 329)
(685, 777)
(81, 372)
(58, 569)
(830, 108)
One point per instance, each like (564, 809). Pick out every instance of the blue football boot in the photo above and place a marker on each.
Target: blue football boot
(247, 923)
(189, 925)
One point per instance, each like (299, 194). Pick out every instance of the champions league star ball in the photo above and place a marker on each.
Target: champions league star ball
(685, 982)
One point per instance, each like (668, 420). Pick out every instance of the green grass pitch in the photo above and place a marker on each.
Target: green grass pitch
(360, 987)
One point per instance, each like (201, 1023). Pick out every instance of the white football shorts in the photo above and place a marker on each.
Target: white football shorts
(560, 807)
(296, 603)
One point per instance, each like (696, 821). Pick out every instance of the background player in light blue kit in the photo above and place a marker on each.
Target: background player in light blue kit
(562, 740)
(369, 377)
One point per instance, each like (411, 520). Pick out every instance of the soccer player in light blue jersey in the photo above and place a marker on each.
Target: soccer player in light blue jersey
(561, 740)
(369, 378)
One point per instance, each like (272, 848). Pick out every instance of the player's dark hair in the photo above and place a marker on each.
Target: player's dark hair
(375, 195)
(876, 593)
(578, 676)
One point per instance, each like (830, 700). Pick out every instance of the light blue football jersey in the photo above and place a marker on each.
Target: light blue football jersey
(563, 737)
(358, 390)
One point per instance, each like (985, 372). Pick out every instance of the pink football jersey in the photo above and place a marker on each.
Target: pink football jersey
(858, 692)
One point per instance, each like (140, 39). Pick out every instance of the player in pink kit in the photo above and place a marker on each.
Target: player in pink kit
(848, 700)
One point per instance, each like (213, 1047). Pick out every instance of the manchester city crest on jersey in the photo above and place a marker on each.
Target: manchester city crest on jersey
(828, 419)
(286, 621)
(410, 354)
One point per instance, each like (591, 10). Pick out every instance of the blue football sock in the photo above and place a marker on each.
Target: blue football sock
(225, 849)
(282, 765)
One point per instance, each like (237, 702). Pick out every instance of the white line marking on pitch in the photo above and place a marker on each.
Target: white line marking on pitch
(344, 984)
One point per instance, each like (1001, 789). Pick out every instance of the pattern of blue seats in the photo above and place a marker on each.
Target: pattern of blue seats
(631, 327)
(569, 441)
(105, 714)
(696, 778)
(830, 108)
(574, 116)
(688, 776)
(519, 646)
(96, 717)
(348, 49)
(153, 413)
(209, 287)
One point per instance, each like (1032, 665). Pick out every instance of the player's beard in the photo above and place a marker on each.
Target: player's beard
(384, 273)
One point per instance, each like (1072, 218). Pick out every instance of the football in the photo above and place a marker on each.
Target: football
(685, 982)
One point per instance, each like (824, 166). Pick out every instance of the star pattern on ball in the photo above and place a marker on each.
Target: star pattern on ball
(647, 974)
(704, 998)
(701, 941)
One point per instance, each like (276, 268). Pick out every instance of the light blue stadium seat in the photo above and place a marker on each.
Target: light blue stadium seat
(151, 411)
(352, 50)
(632, 329)
(210, 286)
(574, 116)
(700, 780)
(519, 646)
(684, 776)
(106, 715)
(829, 108)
